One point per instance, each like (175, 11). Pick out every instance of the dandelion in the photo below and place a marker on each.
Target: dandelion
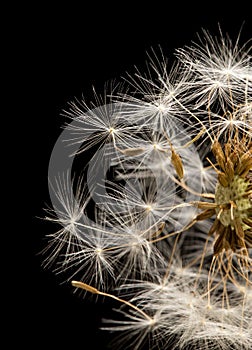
(161, 220)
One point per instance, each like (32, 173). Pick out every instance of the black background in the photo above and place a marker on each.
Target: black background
(60, 53)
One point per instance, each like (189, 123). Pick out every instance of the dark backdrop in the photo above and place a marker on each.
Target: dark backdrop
(62, 52)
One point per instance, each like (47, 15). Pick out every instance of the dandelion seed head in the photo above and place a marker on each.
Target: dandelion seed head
(164, 220)
(236, 189)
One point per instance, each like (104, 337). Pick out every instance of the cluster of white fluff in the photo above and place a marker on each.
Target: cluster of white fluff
(127, 226)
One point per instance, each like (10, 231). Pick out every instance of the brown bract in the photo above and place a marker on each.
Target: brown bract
(233, 196)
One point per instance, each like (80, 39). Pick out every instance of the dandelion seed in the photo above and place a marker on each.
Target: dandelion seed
(68, 212)
(222, 70)
(98, 125)
(156, 106)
